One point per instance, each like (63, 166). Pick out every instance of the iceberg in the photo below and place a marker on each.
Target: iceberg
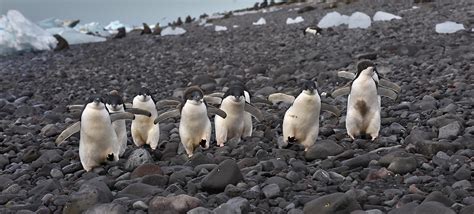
(74, 37)
(359, 20)
(218, 28)
(172, 31)
(93, 28)
(384, 16)
(333, 19)
(290, 21)
(114, 25)
(54, 22)
(17, 33)
(448, 27)
(260, 21)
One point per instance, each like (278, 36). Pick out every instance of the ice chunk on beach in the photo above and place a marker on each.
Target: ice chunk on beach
(114, 25)
(94, 28)
(290, 21)
(333, 19)
(20, 34)
(172, 31)
(260, 21)
(359, 20)
(449, 27)
(74, 37)
(50, 23)
(220, 28)
(384, 16)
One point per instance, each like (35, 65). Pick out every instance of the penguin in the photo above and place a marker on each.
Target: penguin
(235, 106)
(115, 104)
(313, 30)
(98, 140)
(301, 120)
(194, 125)
(144, 130)
(364, 100)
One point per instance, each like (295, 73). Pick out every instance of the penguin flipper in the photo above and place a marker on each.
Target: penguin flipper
(330, 108)
(128, 105)
(346, 74)
(215, 94)
(214, 100)
(68, 132)
(387, 93)
(73, 108)
(213, 110)
(138, 111)
(281, 97)
(167, 103)
(387, 84)
(253, 111)
(121, 116)
(166, 115)
(341, 91)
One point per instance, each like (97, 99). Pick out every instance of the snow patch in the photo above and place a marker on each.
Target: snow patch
(449, 27)
(290, 21)
(359, 20)
(17, 33)
(384, 16)
(260, 21)
(172, 31)
(218, 28)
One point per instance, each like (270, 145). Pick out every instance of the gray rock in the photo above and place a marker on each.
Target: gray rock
(137, 158)
(111, 208)
(200, 210)
(332, 203)
(463, 173)
(433, 207)
(155, 180)
(281, 182)
(322, 176)
(225, 173)
(463, 184)
(173, 204)
(56, 173)
(3, 161)
(439, 197)
(323, 149)
(402, 165)
(271, 191)
(406, 208)
(140, 205)
(360, 160)
(50, 130)
(449, 131)
(224, 209)
(139, 190)
(467, 209)
(239, 204)
(444, 120)
(90, 194)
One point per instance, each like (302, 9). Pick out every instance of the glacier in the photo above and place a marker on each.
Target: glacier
(448, 27)
(17, 33)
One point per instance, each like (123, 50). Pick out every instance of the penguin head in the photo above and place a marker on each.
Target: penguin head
(114, 101)
(95, 102)
(193, 95)
(309, 87)
(235, 93)
(367, 68)
(144, 94)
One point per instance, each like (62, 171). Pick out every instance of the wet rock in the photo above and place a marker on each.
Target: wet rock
(173, 204)
(332, 203)
(137, 158)
(323, 149)
(449, 131)
(111, 208)
(225, 173)
(146, 169)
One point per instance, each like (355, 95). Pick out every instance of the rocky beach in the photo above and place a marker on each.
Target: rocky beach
(422, 161)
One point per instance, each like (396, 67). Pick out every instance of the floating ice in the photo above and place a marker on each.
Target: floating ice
(94, 28)
(74, 37)
(114, 25)
(220, 28)
(333, 19)
(359, 20)
(172, 31)
(290, 21)
(449, 27)
(384, 16)
(260, 21)
(19, 34)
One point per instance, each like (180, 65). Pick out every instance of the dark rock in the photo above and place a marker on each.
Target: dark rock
(281, 182)
(407, 208)
(360, 161)
(463, 173)
(271, 191)
(199, 159)
(449, 131)
(433, 207)
(467, 209)
(239, 204)
(137, 158)
(31, 154)
(90, 193)
(121, 33)
(200, 210)
(332, 203)
(3, 161)
(463, 184)
(111, 208)
(439, 197)
(322, 176)
(173, 204)
(146, 169)
(402, 165)
(225, 173)
(155, 180)
(323, 149)
(139, 190)
(444, 120)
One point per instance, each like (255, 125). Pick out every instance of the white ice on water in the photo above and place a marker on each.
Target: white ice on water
(172, 31)
(19, 34)
(333, 19)
(359, 20)
(384, 16)
(94, 28)
(296, 20)
(449, 27)
(74, 37)
(218, 28)
(260, 21)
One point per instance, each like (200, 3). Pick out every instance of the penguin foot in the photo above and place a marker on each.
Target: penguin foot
(221, 145)
(203, 143)
(110, 157)
(291, 140)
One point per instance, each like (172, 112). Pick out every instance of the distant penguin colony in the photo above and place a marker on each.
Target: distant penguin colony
(103, 134)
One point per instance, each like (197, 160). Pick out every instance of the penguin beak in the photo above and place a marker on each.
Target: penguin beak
(237, 98)
(97, 100)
